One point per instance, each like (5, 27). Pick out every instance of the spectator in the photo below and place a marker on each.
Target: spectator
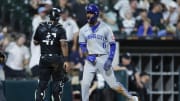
(48, 4)
(71, 28)
(79, 11)
(121, 7)
(137, 81)
(145, 29)
(4, 42)
(178, 30)
(110, 18)
(142, 16)
(134, 8)
(33, 7)
(64, 4)
(41, 17)
(156, 17)
(144, 4)
(17, 59)
(126, 5)
(133, 74)
(178, 5)
(166, 2)
(171, 16)
(5, 37)
(128, 24)
(142, 91)
(168, 33)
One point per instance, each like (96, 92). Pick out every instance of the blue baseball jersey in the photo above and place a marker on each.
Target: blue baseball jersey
(97, 38)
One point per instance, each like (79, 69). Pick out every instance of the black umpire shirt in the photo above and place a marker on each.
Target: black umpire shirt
(48, 36)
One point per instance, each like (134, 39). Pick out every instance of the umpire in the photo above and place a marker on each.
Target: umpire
(54, 55)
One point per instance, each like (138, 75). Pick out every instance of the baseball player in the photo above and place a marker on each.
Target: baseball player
(98, 45)
(54, 53)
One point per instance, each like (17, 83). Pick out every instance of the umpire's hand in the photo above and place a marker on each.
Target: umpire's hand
(67, 66)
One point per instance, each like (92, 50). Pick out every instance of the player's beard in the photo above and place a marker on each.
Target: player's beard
(91, 23)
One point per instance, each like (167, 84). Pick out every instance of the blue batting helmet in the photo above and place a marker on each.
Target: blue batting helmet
(94, 9)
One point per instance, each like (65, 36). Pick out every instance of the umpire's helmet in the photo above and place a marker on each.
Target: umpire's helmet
(94, 9)
(54, 14)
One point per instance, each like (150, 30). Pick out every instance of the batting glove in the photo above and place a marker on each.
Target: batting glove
(91, 59)
(108, 64)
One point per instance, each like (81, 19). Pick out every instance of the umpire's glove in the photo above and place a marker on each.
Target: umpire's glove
(91, 59)
(108, 64)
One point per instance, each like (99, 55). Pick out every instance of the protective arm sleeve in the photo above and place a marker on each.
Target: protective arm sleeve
(112, 50)
(83, 47)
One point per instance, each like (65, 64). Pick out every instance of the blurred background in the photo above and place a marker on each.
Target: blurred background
(147, 59)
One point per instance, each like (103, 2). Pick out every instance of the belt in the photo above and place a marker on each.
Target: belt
(50, 55)
(97, 55)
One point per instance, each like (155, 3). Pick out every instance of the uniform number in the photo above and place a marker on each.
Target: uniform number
(104, 45)
(50, 37)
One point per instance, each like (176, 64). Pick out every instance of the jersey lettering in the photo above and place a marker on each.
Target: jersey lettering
(94, 36)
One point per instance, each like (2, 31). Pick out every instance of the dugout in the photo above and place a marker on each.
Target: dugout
(161, 59)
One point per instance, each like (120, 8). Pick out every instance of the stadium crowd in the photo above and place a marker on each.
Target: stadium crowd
(129, 19)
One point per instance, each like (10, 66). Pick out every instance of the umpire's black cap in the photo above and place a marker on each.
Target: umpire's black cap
(126, 55)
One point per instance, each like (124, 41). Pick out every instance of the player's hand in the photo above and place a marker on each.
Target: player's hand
(108, 64)
(91, 59)
(67, 66)
(90, 92)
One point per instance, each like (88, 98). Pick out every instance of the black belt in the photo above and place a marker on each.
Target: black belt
(97, 55)
(50, 55)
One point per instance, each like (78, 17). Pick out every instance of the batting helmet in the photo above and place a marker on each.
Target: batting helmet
(93, 9)
(54, 14)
